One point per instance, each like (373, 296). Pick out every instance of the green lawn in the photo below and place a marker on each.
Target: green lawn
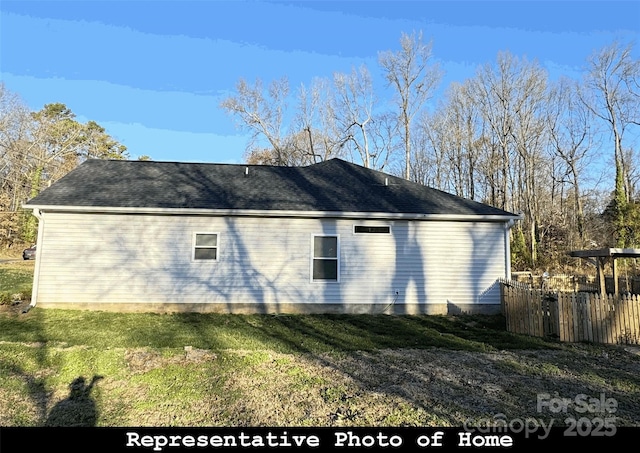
(64, 367)
(290, 334)
(258, 370)
(15, 279)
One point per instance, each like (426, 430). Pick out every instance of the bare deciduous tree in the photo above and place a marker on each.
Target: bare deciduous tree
(571, 139)
(510, 97)
(614, 97)
(354, 101)
(262, 116)
(452, 133)
(504, 137)
(414, 76)
(318, 136)
(612, 80)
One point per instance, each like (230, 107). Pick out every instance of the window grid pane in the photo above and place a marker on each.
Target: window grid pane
(206, 254)
(325, 247)
(325, 269)
(206, 240)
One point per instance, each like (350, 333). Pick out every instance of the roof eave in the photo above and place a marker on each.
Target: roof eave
(275, 213)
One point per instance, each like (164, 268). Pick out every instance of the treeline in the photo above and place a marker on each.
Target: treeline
(562, 152)
(37, 149)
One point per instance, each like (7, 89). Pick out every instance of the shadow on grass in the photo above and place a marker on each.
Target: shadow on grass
(345, 333)
(28, 357)
(25, 363)
(78, 409)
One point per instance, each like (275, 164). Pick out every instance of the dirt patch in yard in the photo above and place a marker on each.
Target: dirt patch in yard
(15, 307)
(144, 360)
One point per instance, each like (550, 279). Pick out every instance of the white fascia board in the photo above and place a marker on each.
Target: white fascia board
(274, 213)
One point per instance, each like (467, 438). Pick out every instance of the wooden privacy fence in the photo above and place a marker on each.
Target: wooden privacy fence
(571, 317)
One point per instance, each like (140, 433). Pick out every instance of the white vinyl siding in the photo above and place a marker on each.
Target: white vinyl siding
(118, 258)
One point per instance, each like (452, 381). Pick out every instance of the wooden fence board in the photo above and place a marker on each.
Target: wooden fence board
(576, 318)
(634, 320)
(600, 330)
(569, 334)
(609, 319)
(583, 315)
(553, 320)
(589, 319)
(619, 325)
(629, 331)
(628, 311)
(562, 335)
(635, 317)
(597, 320)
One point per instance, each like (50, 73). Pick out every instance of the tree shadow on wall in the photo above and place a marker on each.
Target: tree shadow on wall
(78, 409)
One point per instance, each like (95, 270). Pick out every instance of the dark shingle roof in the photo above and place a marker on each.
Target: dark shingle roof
(333, 186)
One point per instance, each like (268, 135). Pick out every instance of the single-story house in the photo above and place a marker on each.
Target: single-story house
(333, 237)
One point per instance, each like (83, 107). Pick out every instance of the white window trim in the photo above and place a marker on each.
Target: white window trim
(313, 258)
(371, 226)
(194, 247)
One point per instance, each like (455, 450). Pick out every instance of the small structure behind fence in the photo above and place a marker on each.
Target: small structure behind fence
(571, 316)
(576, 283)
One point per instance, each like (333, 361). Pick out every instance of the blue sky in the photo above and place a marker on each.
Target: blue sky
(154, 72)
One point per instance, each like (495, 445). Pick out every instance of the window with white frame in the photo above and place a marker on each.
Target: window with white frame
(326, 258)
(205, 246)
